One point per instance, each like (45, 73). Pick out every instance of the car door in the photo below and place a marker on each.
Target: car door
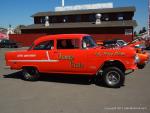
(72, 59)
(45, 59)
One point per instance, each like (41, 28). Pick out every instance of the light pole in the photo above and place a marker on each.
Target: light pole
(63, 3)
(148, 18)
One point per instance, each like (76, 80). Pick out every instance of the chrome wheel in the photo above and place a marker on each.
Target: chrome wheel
(113, 77)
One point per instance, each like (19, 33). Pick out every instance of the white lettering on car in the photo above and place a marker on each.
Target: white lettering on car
(26, 55)
(34, 55)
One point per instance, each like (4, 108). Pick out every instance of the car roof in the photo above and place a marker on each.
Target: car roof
(60, 36)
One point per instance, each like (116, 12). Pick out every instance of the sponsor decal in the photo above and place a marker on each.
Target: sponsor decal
(31, 56)
(110, 54)
(65, 57)
(70, 58)
(26, 55)
(76, 65)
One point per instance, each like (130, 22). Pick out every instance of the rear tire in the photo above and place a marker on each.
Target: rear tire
(30, 74)
(112, 77)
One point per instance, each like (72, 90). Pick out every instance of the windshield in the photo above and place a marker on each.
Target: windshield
(88, 42)
(121, 42)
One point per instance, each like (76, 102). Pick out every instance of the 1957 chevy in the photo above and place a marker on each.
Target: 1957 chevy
(74, 54)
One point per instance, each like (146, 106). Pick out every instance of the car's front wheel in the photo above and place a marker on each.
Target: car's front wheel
(30, 74)
(113, 77)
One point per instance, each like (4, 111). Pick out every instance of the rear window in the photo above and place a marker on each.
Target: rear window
(46, 45)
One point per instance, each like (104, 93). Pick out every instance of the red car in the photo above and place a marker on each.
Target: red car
(74, 54)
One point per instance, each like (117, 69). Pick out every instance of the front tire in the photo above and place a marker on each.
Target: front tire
(30, 74)
(113, 77)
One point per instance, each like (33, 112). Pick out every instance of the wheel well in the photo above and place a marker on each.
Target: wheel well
(29, 67)
(114, 63)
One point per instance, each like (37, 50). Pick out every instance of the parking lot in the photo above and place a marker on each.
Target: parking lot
(70, 94)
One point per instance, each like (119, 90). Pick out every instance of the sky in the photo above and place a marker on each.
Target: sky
(16, 12)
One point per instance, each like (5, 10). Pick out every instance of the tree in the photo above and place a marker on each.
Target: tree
(143, 30)
(135, 33)
(140, 32)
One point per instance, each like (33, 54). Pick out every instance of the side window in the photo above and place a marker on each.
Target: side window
(68, 44)
(46, 45)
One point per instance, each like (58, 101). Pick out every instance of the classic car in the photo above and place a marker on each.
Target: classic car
(137, 42)
(5, 43)
(74, 54)
(139, 46)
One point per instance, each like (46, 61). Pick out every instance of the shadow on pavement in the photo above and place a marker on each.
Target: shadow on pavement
(60, 78)
(15, 75)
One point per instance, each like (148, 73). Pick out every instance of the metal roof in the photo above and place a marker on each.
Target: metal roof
(127, 23)
(90, 11)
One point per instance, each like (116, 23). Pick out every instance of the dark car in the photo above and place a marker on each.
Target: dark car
(5, 43)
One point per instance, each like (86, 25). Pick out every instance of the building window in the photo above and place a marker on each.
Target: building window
(92, 18)
(54, 20)
(105, 17)
(65, 19)
(120, 17)
(78, 18)
(42, 20)
(128, 31)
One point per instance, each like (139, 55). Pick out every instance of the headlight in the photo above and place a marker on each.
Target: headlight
(136, 59)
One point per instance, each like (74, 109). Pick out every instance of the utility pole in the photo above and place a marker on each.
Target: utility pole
(148, 18)
(63, 3)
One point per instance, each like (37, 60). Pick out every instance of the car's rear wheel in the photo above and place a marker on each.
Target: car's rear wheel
(30, 74)
(112, 77)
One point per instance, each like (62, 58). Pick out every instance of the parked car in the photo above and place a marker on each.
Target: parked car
(137, 43)
(5, 43)
(139, 46)
(74, 54)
